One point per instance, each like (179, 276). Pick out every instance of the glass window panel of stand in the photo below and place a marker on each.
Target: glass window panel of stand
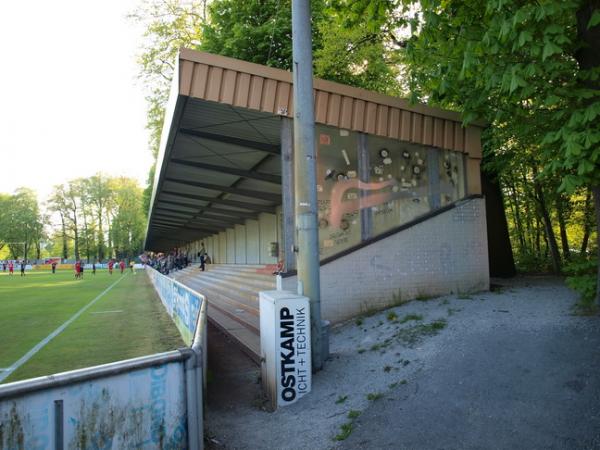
(452, 179)
(398, 188)
(337, 190)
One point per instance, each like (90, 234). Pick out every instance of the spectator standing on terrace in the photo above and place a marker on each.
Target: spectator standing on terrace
(202, 254)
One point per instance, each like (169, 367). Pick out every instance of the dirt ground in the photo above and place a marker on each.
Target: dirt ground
(508, 369)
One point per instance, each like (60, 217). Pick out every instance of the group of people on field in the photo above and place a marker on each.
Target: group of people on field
(111, 265)
(10, 265)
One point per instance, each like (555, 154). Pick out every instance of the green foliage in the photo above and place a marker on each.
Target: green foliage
(100, 217)
(409, 317)
(345, 431)
(255, 31)
(21, 224)
(341, 399)
(353, 414)
(530, 71)
(169, 25)
(582, 278)
(354, 50)
(373, 396)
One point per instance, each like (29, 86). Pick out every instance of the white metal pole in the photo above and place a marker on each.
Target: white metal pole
(305, 172)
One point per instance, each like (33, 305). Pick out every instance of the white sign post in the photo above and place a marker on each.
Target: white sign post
(285, 346)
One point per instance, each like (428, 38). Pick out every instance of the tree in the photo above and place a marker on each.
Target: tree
(128, 224)
(531, 70)
(21, 223)
(98, 196)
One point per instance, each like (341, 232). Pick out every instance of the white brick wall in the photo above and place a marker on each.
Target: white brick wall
(445, 254)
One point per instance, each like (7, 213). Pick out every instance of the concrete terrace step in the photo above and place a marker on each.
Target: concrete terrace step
(243, 283)
(226, 288)
(242, 273)
(224, 301)
(232, 297)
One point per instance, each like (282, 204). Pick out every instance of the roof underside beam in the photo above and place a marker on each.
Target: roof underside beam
(230, 190)
(221, 211)
(266, 177)
(263, 147)
(234, 203)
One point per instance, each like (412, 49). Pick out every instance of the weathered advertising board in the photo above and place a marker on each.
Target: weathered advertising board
(144, 408)
(285, 346)
(181, 303)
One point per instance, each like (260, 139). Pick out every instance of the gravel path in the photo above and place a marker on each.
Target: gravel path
(508, 369)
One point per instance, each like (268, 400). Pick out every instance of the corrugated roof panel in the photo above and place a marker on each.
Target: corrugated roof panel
(282, 98)
(321, 106)
(333, 110)
(448, 134)
(200, 76)
(416, 134)
(213, 87)
(459, 138)
(256, 85)
(370, 118)
(438, 132)
(242, 90)
(382, 120)
(346, 113)
(358, 115)
(405, 125)
(394, 123)
(229, 85)
(427, 130)
(267, 103)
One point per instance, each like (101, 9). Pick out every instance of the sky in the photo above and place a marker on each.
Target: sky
(70, 101)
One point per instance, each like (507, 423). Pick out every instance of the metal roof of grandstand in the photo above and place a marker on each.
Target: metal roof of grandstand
(219, 162)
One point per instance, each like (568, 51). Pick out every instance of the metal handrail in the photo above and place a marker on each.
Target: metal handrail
(17, 388)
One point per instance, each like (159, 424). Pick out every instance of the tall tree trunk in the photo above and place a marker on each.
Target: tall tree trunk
(555, 256)
(87, 237)
(587, 223)
(596, 192)
(588, 57)
(64, 237)
(564, 240)
(76, 237)
(527, 213)
(100, 236)
(538, 237)
(517, 217)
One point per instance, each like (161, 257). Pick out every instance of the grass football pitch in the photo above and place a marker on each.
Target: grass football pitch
(126, 319)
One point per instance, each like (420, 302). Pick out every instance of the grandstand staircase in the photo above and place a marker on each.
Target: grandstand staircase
(232, 291)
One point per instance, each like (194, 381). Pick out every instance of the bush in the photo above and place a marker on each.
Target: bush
(582, 278)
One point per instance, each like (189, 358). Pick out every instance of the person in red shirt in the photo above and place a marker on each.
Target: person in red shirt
(11, 268)
(122, 266)
(110, 266)
(77, 268)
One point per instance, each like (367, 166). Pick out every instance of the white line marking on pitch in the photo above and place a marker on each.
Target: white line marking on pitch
(52, 335)
(108, 312)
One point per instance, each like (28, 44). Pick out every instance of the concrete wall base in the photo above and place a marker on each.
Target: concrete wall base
(446, 254)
